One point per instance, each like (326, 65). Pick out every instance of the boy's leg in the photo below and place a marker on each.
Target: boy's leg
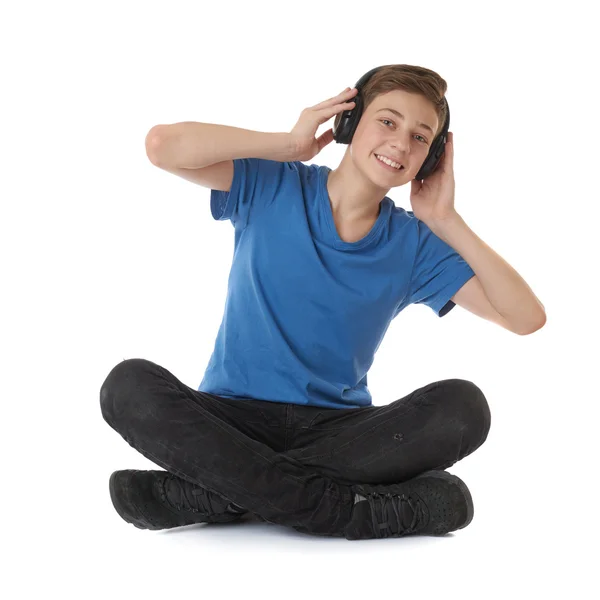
(187, 433)
(431, 428)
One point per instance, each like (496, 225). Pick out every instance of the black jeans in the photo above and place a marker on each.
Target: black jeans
(287, 463)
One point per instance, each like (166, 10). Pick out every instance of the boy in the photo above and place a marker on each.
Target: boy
(282, 426)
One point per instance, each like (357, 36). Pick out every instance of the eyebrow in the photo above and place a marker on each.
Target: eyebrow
(401, 116)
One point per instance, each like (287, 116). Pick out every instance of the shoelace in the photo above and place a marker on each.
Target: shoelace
(390, 512)
(183, 496)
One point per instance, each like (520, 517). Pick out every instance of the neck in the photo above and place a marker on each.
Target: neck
(352, 195)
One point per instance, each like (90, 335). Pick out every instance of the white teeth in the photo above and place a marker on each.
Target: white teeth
(387, 161)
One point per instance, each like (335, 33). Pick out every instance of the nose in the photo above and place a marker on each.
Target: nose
(401, 143)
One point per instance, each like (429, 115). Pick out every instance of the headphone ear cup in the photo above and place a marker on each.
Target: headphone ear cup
(437, 149)
(345, 123)
(433, 158)
(340, 128)
(337, 129)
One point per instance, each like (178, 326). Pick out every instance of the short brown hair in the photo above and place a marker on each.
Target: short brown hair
(413, 79)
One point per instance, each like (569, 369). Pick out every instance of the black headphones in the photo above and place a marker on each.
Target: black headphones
(345, 126)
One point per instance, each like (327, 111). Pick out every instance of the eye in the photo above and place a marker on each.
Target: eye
(424, 141)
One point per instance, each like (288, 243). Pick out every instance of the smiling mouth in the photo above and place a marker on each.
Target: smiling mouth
(388, 166)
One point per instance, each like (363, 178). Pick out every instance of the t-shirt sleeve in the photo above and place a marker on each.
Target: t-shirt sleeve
(438, 273)
(254, 186)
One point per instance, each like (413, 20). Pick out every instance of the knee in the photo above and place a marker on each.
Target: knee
(470, 409)
(121, 388)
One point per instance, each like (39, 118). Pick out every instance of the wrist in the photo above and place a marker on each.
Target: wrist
(440, 225)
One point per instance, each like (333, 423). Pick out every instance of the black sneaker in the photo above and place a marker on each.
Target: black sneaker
(434, 503)
(160, 500)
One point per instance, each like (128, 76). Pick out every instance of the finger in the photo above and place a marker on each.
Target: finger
(336, 99)
(328, 112)
(325, 139)
(449, 148)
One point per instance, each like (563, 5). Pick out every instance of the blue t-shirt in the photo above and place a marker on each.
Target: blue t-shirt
(306, 311)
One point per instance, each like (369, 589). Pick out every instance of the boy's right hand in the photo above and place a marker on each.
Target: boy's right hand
(304, 142)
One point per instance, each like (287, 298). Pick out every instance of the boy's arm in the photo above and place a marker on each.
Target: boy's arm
(497, 292)
(203, 152)
(195, 146)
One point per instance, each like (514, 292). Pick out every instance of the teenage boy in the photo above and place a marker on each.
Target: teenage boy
(282, 426)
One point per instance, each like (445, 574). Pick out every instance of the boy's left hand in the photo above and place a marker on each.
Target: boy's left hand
(432, 200)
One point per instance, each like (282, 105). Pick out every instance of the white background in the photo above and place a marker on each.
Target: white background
(106, 257)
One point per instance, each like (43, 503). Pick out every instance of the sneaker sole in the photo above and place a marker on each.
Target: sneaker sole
(461, 485)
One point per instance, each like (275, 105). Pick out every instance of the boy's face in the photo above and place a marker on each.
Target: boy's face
(404, 140)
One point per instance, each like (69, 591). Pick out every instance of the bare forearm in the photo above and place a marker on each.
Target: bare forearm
(506, 290)
(193, 145)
